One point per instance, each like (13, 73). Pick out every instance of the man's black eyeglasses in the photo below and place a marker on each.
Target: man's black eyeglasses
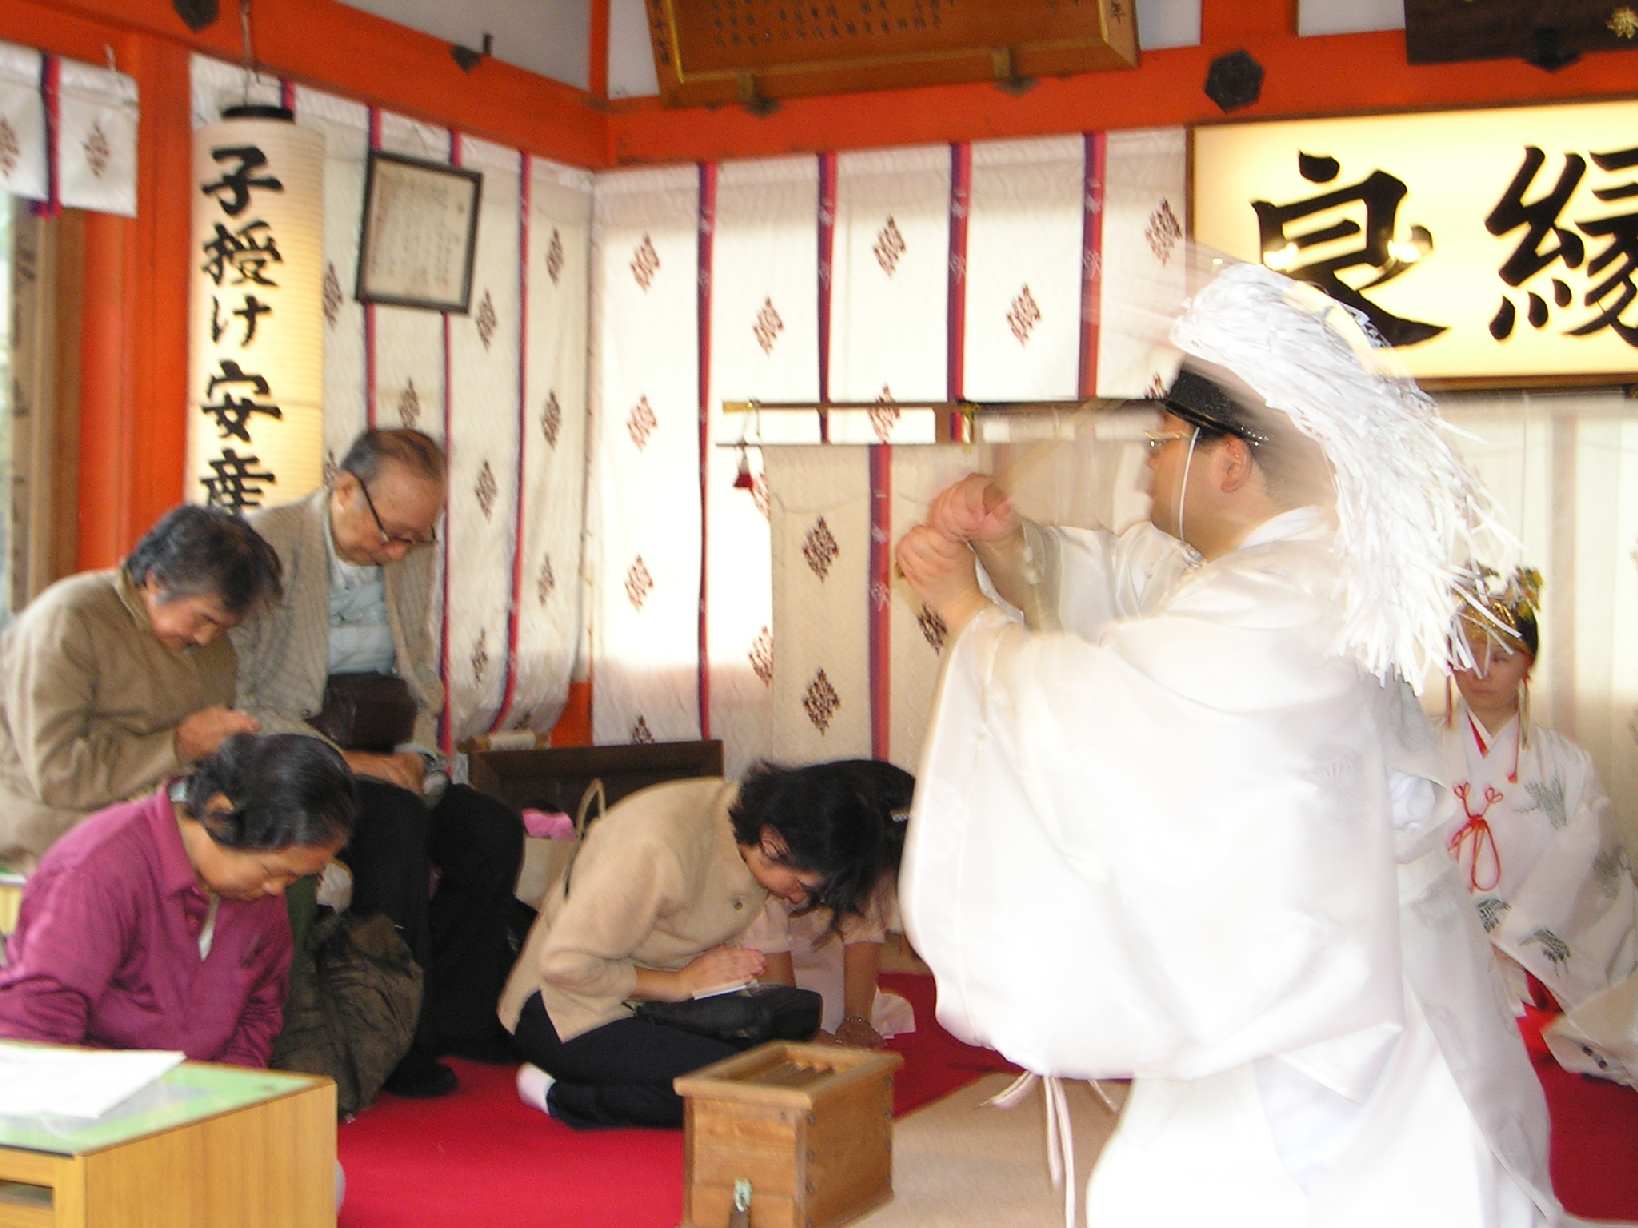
(390, 539)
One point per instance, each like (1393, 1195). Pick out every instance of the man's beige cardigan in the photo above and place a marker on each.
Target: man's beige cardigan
(89, 705)
(284, 651)
(658, 881)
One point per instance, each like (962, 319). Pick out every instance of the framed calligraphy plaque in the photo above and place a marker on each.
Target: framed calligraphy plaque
(1494, 248)
(419, 235)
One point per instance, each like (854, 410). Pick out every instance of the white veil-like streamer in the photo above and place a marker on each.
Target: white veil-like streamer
(1410, 516)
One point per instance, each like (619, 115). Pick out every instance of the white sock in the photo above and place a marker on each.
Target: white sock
(533, 1084)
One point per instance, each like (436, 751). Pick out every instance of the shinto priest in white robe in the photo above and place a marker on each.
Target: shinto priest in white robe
(1552, 883)
(1181, 839)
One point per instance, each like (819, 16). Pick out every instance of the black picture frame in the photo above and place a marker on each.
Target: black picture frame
(418, 237)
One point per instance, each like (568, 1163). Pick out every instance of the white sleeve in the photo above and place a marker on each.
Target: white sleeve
(1098, 576)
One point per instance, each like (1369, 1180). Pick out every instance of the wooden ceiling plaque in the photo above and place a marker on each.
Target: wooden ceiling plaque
(753, 51)
(1547, 33)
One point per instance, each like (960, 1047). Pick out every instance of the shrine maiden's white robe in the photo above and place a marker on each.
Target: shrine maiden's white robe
(1552, 883)
(1183, 840)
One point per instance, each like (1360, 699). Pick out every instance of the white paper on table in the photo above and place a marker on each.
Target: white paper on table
(44, 1079)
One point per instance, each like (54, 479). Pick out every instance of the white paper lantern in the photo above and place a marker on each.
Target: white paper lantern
(256, 340)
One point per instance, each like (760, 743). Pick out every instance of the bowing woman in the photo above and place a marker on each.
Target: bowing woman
(160, 923)
(1538, 848)
(655, 907)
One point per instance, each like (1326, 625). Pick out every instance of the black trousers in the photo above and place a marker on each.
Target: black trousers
(616, 1075)
(459, 934)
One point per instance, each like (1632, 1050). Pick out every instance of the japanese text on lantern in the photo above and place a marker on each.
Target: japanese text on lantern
(239, 257)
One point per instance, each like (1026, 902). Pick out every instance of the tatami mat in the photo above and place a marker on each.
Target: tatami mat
(957, 1162)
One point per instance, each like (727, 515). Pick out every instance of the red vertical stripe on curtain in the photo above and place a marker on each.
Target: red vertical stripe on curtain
(827, 254)
(446, 731)
(525, 216)
(880, 599)
(707, 226)
(369, 308)
(1097, 147)
(961, 196)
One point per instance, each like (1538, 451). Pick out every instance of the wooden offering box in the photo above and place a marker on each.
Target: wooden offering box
(809, 1126)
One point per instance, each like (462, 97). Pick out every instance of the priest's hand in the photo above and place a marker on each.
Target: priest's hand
(943, 574)
(975, 509)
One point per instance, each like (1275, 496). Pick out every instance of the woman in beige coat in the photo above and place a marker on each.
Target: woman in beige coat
(111, 681)
(652, 910)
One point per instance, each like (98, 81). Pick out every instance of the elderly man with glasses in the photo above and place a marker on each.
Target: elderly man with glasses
(349, 652)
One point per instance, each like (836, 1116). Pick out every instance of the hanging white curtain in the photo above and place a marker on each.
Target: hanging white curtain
(96, 139)
(22, 124)
(764, 345)
(95, 146)
(1023, 311)
(820, 499)
(484, 443)
(646, 448)
(1140, 258)
(549, 591)
(890, 290)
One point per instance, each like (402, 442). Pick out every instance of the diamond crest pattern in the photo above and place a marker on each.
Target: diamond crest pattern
(820, 548)
(890, 246)
(641, 422)
(639, 583)
(821, 702)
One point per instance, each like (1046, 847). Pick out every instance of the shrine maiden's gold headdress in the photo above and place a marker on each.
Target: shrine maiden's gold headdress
(1507, 611)
(1409, 514)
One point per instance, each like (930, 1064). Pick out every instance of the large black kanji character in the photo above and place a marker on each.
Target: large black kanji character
(1532, 254)
(1619, 255)
(1381, 194)
(233, 415)
(237, 483)
(233, 373)
(252, 310)
(247, 251)
(232, 190)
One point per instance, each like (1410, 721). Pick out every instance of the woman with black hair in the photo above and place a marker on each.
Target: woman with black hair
(160, 923)
(653, 909)
(839, 957)
(112, 680)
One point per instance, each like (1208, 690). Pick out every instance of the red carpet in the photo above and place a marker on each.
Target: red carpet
(1595, 1133)
(481, 1157)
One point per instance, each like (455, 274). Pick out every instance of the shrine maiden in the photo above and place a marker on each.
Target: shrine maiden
(1536, 843)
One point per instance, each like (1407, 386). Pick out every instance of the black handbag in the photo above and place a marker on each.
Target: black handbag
(367, 712)
(746, 1016)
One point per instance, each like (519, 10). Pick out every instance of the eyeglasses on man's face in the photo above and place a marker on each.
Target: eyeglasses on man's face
(1159, 439)
(393, 539)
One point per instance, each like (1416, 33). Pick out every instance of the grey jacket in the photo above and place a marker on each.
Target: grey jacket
(284, 651)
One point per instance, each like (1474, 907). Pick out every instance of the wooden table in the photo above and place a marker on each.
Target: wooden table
(204, 1146)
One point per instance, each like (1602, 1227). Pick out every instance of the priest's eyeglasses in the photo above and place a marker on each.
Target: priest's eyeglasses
(393, 539)
(1159, 439)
